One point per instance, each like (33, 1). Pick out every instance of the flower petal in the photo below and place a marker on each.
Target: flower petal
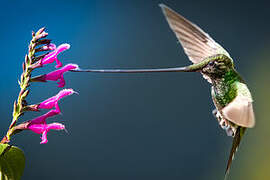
(54, 126)
(57, 75)
(53, 101)
(52, 56)
(42, 119)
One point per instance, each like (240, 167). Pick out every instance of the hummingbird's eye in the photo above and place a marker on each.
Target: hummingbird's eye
(212, 63)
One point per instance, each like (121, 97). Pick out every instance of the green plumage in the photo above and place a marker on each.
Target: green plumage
(225, 88)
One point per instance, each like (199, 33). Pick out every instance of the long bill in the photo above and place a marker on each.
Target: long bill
(191, 68)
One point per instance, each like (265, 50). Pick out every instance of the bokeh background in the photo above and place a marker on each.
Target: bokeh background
(137, 126)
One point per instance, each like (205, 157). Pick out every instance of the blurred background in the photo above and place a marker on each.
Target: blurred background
(136, 126)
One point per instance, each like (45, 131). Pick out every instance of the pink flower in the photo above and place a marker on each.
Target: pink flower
(56, 75)
(53, 101)
(52, 56)
(40, 126)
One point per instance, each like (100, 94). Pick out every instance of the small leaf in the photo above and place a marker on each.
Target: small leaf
(12, 162)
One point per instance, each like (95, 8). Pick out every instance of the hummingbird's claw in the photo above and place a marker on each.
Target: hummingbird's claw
(217, 114)
(224, 124)
(231, 131)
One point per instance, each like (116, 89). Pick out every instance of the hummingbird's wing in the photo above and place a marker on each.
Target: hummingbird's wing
(240, 110)
(197, 44)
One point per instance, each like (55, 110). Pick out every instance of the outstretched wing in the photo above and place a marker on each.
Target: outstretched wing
(196, 43)
(240, 110)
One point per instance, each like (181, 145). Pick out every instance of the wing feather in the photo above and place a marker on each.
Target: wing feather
(197, 44)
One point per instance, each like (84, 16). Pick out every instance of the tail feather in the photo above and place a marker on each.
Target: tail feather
(236, 142)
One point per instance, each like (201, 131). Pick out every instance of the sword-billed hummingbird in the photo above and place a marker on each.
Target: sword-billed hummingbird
(231, 97)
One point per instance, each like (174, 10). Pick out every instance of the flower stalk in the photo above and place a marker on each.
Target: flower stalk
(24, 82)
(47, 54)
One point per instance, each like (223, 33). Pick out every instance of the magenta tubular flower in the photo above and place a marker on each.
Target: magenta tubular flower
(40, 126)
(52, 56)
(56, 75)
(53, 101)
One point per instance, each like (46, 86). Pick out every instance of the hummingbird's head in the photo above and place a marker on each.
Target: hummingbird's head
(214, 66)
(217, 67)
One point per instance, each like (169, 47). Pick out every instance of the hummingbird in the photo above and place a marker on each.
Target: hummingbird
(230, 94)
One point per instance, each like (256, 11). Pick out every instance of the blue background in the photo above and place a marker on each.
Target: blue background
(131, 126)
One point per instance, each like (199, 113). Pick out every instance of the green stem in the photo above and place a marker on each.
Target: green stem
(19, 106)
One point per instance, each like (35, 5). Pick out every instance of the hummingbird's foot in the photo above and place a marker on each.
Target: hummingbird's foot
(231, 131)
(224, 124)
(217, 115)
